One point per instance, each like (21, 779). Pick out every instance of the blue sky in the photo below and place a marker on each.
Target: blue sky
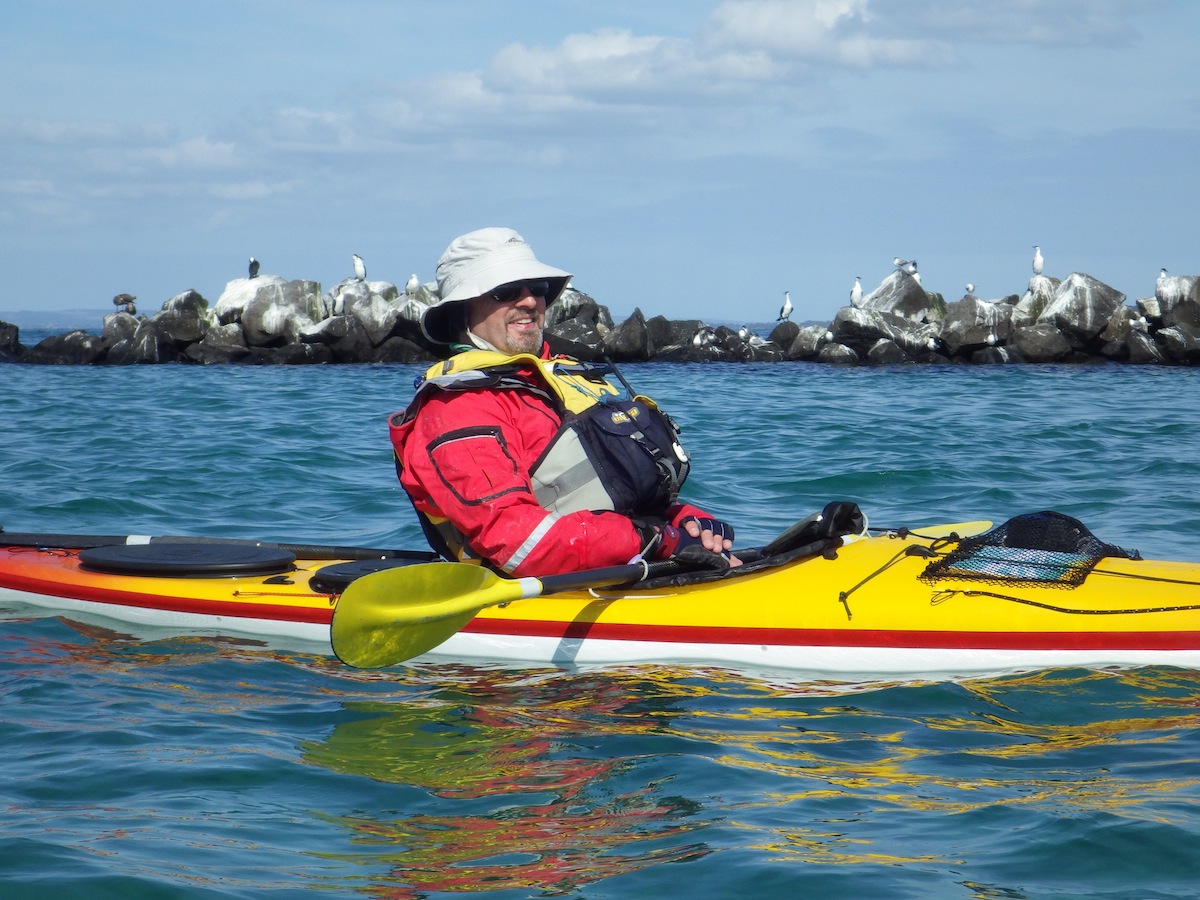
(693, 159)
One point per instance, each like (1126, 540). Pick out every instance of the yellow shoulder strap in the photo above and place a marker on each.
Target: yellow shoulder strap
(576, 391)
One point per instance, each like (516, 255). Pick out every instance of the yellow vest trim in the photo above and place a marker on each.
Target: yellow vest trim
(574, 389)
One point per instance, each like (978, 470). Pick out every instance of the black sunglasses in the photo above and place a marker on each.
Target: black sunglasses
(508, 293)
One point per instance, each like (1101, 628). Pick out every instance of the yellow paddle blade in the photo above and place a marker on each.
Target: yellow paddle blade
(389, 616)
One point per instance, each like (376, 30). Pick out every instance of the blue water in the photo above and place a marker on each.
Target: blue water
(197, 767)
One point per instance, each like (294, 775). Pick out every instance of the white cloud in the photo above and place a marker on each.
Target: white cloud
(596, 63)
(193, 153)
(841, 32)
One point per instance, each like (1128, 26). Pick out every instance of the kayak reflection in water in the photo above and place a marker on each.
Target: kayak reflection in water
(533, 464)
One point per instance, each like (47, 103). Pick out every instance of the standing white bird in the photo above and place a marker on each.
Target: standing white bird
(906, 265)
(970, 288)
(414, 284)
(1037, 260)
(856, 291)
(360, 268)
(786, 310)
(744, 333)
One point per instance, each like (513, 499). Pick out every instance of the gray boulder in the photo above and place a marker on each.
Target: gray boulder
(573, 304)
(972, 324)
(10, 342)
(359, 300)
(1041, 343)
(1114, 339)
(1143, 350)
(861, 329)
(994, 356)
(1172, 290)
(148, 345)
(576, 337)
(271, 311)
(838, 355)
(808, 342)
(73, 348)
(1035, 299)
(119, 326)
(666, 333)
(1081, 308)
(1150, 308)
(346, 338)
(397, 349)
(784, 334)
(185, 318)
(899, 294)
(298, 354)
(886, 352)
(630, 341)
(1181, 343)
(220, 344)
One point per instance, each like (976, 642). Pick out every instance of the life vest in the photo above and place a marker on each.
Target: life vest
(614, 450)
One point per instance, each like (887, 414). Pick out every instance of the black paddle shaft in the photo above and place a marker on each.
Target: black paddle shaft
(301, 551)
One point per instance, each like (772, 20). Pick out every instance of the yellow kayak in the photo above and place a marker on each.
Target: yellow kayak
(961, 598)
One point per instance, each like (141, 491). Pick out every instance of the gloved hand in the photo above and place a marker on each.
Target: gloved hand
(672, 539)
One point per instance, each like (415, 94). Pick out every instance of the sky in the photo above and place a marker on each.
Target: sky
(691, 158)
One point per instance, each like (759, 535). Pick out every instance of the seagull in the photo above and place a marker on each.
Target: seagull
(122, 299)
(907, 265)
(1037, 260)
(786, 310)
(1162, 273)
(253, 267)
(414, 284)
(360, 270)
(856, 291)
(744, 333)
(970, 289)
(703, 337)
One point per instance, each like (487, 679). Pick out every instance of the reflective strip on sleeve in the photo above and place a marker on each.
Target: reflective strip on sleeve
(530, 543)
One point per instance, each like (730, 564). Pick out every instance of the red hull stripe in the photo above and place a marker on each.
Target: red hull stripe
(844, 637)
(667, 634)
(239, 609)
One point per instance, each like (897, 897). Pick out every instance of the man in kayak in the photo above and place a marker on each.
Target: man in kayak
(530, 463)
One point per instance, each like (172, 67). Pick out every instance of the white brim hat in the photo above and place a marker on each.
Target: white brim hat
(475, 264)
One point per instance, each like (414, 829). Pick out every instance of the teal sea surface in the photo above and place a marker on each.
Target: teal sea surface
(136, 766)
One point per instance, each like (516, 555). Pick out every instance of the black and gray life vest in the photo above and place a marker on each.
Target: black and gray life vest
(615, 450)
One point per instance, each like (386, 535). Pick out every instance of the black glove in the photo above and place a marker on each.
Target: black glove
(665, 540)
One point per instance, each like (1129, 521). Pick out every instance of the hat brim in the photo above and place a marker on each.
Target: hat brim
(445, 321)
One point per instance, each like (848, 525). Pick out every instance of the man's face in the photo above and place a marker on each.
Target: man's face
(511, 318)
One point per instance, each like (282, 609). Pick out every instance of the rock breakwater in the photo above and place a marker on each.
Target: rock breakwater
(268, 320)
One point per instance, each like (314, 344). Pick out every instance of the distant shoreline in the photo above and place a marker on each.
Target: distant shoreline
(44, 320)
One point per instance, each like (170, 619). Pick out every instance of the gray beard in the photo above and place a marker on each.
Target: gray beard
(479, 342)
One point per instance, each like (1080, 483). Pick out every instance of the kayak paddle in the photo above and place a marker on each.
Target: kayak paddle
(388, 617)
(301, 551)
